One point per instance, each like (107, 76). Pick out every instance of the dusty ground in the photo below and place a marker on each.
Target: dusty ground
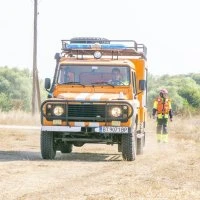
(97, 172)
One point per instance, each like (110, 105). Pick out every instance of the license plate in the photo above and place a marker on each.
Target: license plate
(112, 129)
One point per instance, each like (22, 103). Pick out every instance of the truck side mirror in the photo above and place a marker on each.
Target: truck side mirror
(47, 83)
(142, 85)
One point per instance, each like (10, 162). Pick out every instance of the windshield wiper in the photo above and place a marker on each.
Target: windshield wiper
(73, 83)
(102, 82)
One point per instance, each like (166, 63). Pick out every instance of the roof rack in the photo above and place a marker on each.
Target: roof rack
(87, 46)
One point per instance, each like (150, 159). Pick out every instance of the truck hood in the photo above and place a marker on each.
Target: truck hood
(93, 96)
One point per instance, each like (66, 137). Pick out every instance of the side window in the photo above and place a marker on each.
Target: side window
(134, 82)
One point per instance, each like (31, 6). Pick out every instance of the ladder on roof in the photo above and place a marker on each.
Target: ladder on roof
(88, 46)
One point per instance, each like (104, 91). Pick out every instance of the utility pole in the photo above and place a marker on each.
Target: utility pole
(36, 88)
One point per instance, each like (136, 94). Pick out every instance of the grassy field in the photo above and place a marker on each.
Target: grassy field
(19, 118)
(186, 128)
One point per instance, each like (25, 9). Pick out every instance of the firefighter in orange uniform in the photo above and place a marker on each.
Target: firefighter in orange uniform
(162, 107)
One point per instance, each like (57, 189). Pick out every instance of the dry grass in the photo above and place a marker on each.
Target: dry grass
(186, 128)
(19, 118)
(181, 128)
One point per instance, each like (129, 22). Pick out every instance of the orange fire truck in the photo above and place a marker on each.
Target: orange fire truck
(98, 95)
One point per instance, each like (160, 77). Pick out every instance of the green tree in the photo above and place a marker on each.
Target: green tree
(196, 77)
(5, 102)
(15, 89)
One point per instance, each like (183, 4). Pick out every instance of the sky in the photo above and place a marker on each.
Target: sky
(169, 28)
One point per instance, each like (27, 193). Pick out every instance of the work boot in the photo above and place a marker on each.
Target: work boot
(165, 138)
(159, 137)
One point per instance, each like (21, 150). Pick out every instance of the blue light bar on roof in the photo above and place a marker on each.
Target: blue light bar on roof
(113, 46)
(90, 46)
(78, 46)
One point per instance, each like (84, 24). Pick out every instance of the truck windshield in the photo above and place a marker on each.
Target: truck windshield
(94, 75)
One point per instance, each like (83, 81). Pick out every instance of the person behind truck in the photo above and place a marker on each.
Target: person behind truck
(162, 107)
(116, 77)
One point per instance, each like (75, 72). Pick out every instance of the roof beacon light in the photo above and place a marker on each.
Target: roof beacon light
(97, 54)
(96, 46)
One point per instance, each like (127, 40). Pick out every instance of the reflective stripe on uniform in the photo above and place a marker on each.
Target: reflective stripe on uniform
(160, 116)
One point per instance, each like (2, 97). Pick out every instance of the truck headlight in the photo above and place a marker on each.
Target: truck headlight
(116, 111)
(58, 110)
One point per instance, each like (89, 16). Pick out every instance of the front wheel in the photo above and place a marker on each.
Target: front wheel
(48, 149)
(128, 147)
(140, 145)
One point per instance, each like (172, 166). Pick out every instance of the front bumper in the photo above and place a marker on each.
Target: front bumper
(101, 129)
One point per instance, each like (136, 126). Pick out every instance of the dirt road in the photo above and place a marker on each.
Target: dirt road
(97, 172)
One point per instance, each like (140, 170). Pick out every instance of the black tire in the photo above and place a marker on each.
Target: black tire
(120, 147)
(48, 149)
(128, 147)
(140, 145)
(78, 144)
(144, 139)
(66, 148)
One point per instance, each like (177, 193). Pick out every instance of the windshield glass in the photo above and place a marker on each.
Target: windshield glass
(94, 75)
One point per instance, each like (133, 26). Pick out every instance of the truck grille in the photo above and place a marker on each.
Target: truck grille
(86, 110)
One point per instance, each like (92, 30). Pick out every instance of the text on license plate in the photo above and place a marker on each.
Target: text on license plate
(111, 129)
